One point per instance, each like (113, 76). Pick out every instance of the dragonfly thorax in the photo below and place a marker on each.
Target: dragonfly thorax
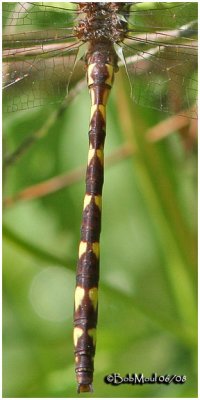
(100, 22)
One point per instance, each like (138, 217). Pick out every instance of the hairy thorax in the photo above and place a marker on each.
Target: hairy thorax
(101, 21)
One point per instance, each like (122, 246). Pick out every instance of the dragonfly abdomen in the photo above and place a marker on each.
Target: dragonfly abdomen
(100, 74)
(100, 26)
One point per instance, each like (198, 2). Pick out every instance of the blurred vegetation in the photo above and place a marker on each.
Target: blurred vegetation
(148, 300)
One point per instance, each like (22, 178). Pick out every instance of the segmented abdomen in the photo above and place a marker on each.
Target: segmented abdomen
(100, 76)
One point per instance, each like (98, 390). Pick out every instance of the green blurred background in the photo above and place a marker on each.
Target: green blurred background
(147, 297)
(148, 280)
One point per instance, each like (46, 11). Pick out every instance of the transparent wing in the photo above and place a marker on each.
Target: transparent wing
(39, 53)
(161, 56)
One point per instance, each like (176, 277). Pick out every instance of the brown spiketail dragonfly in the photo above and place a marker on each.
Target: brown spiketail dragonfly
(48, 49)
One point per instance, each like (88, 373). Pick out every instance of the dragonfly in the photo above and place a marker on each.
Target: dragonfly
(46, 48)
